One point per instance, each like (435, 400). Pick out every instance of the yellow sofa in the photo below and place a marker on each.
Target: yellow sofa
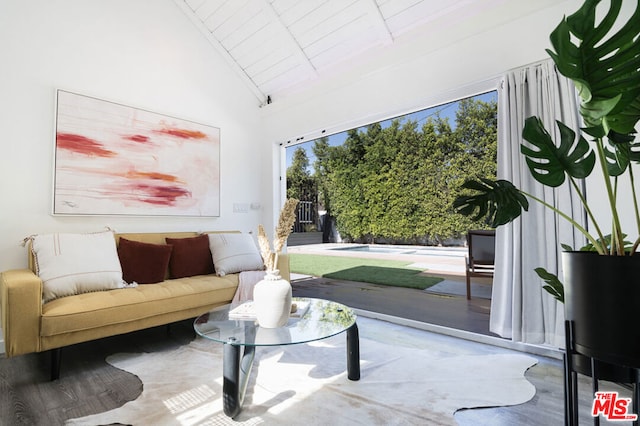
(31, 326)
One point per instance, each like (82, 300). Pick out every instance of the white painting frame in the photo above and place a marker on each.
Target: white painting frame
(113, 159)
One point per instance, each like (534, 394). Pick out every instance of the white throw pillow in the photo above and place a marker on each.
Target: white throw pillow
(234, 253)
(71, 264)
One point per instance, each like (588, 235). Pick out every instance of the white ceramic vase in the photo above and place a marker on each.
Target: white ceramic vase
(272, 300)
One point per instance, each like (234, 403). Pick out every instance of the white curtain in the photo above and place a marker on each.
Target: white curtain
(520, 309)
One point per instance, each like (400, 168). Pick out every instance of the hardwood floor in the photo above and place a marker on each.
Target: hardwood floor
(89, 385)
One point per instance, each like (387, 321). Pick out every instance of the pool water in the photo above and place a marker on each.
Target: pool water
(370, 249)
(422, 250)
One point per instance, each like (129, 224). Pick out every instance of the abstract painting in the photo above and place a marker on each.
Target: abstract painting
(112, 159)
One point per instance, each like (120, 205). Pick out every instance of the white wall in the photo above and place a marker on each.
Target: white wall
(142, 53)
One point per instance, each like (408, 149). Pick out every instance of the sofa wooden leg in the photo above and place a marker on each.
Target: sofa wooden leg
(56, 359)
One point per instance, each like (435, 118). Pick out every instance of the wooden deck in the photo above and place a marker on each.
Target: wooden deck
(447, 311)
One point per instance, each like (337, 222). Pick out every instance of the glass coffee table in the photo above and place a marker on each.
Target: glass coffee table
(319, 319)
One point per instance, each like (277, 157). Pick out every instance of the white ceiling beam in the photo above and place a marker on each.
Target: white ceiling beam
(189, 13)
(378, 20)
(289, 39)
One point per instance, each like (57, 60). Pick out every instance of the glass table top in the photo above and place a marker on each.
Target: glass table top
(316, 319)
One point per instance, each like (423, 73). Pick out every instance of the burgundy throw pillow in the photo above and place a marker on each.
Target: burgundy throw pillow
(190, 256)
(143, 263)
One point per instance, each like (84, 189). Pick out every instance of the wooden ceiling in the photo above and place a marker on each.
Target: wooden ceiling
(275, 45)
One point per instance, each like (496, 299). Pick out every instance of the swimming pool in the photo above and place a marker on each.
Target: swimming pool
(410, 250)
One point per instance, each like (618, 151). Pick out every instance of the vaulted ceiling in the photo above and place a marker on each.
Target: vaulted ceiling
(275, 45)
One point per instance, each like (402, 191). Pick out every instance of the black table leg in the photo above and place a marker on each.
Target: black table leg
(353, 353)
(237, 362)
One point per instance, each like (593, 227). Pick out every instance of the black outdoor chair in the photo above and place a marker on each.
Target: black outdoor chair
(481, 258)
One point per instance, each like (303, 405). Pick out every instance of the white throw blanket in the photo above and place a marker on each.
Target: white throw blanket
(248, 280)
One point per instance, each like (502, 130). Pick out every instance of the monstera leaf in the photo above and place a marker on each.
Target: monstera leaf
(620, 152)
(603, 65)
(548, 164)
(498, 202)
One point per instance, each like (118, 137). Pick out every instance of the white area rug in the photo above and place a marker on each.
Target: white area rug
(409, 377)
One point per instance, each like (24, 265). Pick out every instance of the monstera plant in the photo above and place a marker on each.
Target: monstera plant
(601, 55)
(605, 69)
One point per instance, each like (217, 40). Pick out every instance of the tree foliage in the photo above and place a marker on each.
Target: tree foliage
(397, 183)
(300, 183)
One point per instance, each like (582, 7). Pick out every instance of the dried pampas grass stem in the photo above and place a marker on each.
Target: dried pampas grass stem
(283, 230)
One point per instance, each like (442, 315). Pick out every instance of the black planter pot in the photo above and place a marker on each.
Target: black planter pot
(602, 298)
(605, 371)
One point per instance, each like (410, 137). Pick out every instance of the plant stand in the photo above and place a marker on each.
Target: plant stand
(598, 370)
